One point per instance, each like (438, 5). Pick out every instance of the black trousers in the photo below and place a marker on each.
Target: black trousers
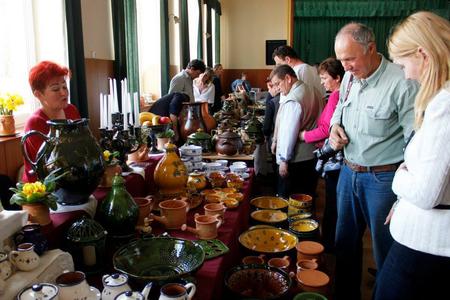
(302, 178)
(330, 211)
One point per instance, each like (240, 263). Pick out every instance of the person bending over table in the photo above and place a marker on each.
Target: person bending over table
(48, 82)
(170, 106)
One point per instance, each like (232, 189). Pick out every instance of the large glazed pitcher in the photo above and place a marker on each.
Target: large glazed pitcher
(69, 146)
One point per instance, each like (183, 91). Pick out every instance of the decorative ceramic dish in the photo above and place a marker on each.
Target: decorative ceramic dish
(268, 240)
(269, 216)
(257, 282)
(221, 194)
(269, 202)
(304, 228)
(157, 259)
(213, 248)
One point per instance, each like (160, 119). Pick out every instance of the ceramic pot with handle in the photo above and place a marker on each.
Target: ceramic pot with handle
(228, 143)
(40, 291)
(25, 259)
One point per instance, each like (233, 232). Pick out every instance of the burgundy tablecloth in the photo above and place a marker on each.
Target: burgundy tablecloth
(210, 276)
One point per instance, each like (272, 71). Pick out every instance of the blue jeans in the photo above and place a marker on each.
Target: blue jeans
(363, 199)
(410, 274)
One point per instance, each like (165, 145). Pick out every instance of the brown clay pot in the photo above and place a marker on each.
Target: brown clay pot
(313, 281)
(229, 143)
(145, 208)
(141, 154)
(208, 120)
(309, 250)
(7, 125)
(190, 119)
(38, 213)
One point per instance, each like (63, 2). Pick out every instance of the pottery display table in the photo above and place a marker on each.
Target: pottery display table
(215, 156)
(52, 264)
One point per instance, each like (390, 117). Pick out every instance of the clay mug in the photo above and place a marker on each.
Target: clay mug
(215, 209)
(253, 259)
(73, 286)
(173, 213)
(145, 208)
(280, 262)
(5, 266)
(31, 233)
(307, 264)
(205, 226)
(25, 259)
(176, 291)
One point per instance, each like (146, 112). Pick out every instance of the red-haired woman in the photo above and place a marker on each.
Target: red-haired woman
(48, 81)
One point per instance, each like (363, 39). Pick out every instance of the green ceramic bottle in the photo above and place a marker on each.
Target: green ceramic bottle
(118, 212)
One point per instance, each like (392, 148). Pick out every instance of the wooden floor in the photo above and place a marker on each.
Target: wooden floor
(265, 185)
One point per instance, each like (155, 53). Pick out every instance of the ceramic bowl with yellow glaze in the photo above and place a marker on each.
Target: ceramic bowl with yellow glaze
(268, 240)
(270, 216)
(305, 228)
(231, 203)
(269, 202)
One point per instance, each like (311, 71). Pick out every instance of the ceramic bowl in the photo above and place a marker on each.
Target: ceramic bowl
(301, 216)
(236, 183)
(268, 240)
(304, 228)
(213, 166)
(269, 202)
(230, 203)
(238, 168)
(222, 162)
(158, 259)
(257, 282)
(271, 216)
(309, 296)
(190, 150)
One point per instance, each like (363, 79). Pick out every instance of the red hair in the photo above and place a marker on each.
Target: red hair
(41, 74)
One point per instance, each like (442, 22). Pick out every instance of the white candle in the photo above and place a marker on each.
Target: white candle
(105, 110)
(136, 109)
(109, 113)
(116, 99)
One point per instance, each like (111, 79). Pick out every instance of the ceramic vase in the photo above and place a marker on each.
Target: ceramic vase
(118, 213)
(37, 213)
(69, 146)
(161, 142)
(7, 125)
(192, 121)
(170, 174)
(208, 120)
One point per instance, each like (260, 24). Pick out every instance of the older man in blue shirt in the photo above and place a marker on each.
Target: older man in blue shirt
(373, 119)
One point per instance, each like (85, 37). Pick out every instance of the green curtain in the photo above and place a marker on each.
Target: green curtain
(165, 58)
(217, 38)
(76, 56)
(200, 31)
(184, 34)
(317, 22)
(120, 49)
(209, 39)
(132, 55)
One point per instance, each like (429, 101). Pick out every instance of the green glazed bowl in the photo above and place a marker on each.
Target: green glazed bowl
(158, 259)
(309, 296)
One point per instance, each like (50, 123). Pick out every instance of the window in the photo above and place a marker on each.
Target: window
(193, 27)
(149, 43)
(30, 31)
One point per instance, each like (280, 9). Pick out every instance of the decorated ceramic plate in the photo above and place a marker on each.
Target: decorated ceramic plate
(221, 194)
(269, 216)
(269, 202)
(268, 240)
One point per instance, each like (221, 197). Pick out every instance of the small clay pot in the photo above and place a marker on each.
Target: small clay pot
(309, 250)
(313, 281)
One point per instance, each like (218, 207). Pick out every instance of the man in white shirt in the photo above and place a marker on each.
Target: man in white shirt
(306, 73)
(298, 111)
(182, 82)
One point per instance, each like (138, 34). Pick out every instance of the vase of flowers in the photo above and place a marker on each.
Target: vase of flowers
(112, 167)
(8, 104)
(163, 138)
(37, 197)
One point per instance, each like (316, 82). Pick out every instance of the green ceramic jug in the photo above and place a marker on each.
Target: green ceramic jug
(118, 212)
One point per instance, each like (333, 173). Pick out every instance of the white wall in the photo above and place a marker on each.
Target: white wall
(97, 29)
(245, 27)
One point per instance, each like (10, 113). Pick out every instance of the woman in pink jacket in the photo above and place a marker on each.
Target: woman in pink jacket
(331, 73)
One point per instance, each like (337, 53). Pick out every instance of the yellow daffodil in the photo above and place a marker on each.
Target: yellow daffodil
(9, 103)
(30, 189)
(106, 155)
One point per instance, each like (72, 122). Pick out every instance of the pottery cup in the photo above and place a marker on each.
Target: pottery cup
(176, 291)
(145, 208)
(205, 226)
(306, 264)
(215, 209)
(280, 262)
(25, 259)
(173, 213)
(72, 286)
(253, 259)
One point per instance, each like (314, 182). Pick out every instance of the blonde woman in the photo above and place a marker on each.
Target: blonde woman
(204, 89)
(418, 263)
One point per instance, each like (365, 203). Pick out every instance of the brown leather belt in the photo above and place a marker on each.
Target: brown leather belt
(376, 169)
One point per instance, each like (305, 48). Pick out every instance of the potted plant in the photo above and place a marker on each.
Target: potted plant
(37, 197)
(163, 138)
(112, 167)
(8, 104)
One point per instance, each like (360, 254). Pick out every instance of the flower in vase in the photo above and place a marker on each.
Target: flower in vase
(110, 157)
(9, 103)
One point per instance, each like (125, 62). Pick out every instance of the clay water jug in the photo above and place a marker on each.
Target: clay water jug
(118, 213)
(170, 173)
(208, 120)
(69, 146)
(190, 120)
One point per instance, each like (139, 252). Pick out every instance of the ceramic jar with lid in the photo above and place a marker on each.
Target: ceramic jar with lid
(113, 285)
(40, 291)
(200, 138)
(309, 250)
(228, 143)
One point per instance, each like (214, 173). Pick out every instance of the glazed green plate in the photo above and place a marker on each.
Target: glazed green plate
(213, 248)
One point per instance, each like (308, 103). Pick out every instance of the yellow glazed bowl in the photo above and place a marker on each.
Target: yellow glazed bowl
(268, 240)
(305, 225)
(269, 216)
(269, 202)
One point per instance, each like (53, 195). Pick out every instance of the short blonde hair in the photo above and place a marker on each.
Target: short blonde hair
(431, 33)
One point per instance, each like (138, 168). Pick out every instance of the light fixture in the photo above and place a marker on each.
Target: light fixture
(175, 18)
